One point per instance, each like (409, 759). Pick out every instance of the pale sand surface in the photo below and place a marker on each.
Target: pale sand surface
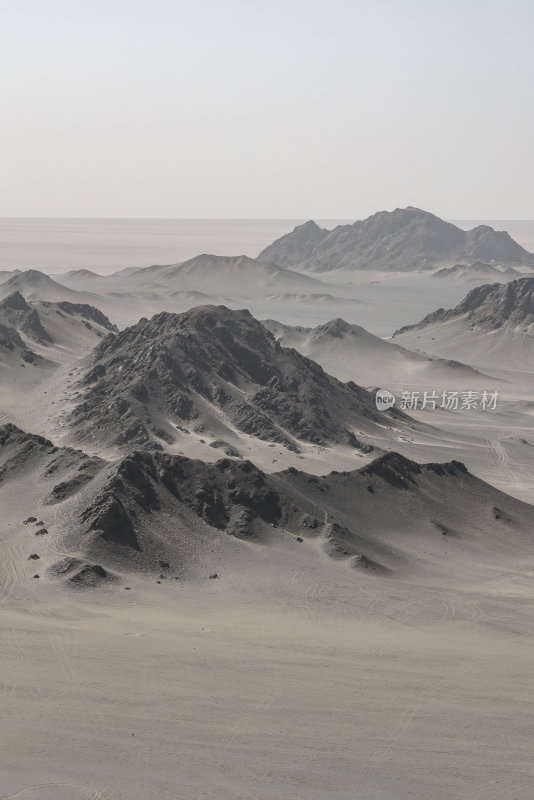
(314, 684)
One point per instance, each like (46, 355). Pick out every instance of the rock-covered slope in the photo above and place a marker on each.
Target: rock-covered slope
(215, 370)
(490, 307)
(170, 516)
(493, 324)
(156, 507)
(66, 469)
(404, 239)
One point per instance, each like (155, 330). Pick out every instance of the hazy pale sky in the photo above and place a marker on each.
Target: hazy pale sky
(226, 108)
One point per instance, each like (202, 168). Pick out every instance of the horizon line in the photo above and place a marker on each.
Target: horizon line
(252, 219)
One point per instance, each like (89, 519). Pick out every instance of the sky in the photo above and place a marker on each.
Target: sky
(233, 109)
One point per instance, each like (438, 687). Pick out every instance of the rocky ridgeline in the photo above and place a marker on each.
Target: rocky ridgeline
(490, 307)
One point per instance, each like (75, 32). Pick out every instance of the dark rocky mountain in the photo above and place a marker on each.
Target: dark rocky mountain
(404, 239)
(156, 508)
(213, 370)
(152, 502)
(172, 516)
(489, 307)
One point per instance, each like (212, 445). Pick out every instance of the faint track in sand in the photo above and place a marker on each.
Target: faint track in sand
(49, 791)
(500, 461)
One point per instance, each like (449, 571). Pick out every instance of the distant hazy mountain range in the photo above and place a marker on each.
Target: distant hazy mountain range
(404, 239)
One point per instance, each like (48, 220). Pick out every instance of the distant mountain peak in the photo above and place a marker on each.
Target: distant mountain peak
(403, 239)
(309, 226)
(336, 327)
(31, 277)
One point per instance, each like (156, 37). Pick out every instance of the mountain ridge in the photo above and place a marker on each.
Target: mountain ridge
(403, 239)
(152, 513)
(215, 369)
(490, 306)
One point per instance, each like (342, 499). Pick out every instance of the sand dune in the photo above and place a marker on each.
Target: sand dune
(351, 353)
(238, 275)
(477, 273)
(35, 285)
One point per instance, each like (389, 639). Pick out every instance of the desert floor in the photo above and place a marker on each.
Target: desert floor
(316, 683)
